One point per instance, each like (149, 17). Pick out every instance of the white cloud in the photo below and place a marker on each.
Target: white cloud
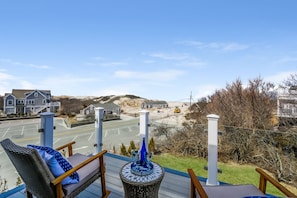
(38, 66)
(279, 77)
(90, 64)
(68, 80)
(180, 59)
(113, 91)
(5, 80)
(168, 56)
(191, 43)
(98, 58)
(103, 62)
(107, 92)
(233, 46)
(27, 85)
(11, 62)
(73, 85)
(205, 90)
(192, 63)
(149, 61)
(118, 89)
(4, 77)
(287, 59)
(112, 64)
(166, 75)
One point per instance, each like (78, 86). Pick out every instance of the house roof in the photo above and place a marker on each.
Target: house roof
(155, 102)
(293, 88)
(20, 93)
(8, 94)
(106, 105)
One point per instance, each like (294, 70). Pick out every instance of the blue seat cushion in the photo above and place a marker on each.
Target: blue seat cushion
(57, 164)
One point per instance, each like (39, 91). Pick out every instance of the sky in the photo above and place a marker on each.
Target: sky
(158, 49)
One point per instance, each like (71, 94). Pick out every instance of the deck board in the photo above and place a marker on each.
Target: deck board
(174, 184)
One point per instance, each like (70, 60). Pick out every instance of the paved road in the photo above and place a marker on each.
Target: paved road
(25, 132)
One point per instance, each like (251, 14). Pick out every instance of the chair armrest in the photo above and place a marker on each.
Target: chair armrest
(82, 164)
(264, 177)
(69, 146)
(196, 185)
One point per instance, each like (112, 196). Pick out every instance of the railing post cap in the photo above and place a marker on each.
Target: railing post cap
(213, 116)
(143, 111)
(47, 114)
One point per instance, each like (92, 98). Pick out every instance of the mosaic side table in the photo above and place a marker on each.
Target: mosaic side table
(136, 186)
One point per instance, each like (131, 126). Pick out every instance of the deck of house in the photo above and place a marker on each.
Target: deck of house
(174, 184)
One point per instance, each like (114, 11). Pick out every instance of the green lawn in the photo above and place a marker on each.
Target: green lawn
(232, 173)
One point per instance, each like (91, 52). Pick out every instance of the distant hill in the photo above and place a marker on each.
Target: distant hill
(103, 99)
(72, 105)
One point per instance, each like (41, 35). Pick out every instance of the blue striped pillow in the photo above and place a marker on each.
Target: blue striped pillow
(65, 165)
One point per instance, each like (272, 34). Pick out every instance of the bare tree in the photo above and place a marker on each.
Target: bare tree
(190, 140)
(240, 106)
(291, 81)
(162, 130)
(271, 154)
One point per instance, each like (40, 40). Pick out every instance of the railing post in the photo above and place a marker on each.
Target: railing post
(99, 112)
(47, 129)
(212, 149)
(143, 126)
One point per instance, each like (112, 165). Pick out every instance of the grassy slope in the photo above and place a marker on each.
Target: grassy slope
(232, 173)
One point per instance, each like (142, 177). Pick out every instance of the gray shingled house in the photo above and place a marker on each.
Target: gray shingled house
(154, 104)
(111, 110)
(31, 102)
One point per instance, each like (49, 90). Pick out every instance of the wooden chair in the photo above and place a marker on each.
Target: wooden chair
(39, 180)
(197, 190)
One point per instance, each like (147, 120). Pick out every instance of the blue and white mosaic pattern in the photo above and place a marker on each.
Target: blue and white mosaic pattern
(156, 174)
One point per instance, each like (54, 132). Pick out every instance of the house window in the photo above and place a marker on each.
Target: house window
(35, 94)
(10, 102)
(20, 101)
(43, 101)
(286, 106)
(31, 102)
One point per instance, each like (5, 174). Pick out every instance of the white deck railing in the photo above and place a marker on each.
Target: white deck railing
(47, 127)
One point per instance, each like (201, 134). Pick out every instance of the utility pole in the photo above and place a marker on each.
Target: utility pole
(191, 99)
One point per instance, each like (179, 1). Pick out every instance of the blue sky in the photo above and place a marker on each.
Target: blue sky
(162, 49)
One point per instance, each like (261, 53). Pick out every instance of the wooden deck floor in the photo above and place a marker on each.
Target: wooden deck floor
(175, 184)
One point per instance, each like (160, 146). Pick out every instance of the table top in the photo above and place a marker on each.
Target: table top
(156, 175)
